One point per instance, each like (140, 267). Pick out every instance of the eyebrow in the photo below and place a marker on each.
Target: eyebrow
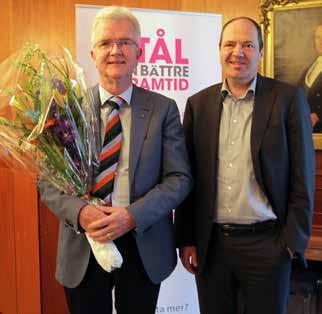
(235, 41)
(121, 38)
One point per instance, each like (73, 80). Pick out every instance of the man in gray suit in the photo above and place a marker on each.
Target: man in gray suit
(152, 177)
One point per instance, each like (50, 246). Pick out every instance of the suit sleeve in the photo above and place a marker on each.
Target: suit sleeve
(65, 207)
(302, 173)
(175, 177)
(184, 214)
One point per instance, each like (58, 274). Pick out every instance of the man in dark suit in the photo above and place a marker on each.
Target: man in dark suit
(250, 145)
(152, 177)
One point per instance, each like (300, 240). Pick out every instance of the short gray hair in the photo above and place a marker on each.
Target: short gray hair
(114, 13)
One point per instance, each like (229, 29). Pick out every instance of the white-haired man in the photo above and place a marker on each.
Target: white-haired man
(152, 177)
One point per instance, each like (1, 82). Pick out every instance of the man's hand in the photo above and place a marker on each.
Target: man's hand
(188, 256)
(89, 214)
(117, 221)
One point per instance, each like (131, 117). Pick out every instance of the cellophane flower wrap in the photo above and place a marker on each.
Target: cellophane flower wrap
(48, 125)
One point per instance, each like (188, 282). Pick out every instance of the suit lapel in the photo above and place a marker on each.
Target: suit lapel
(140, 117)
(211, 126)
(263, 105)
(212, 123)
(97, 107)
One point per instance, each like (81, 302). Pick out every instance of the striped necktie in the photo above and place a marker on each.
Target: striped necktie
(110, 152)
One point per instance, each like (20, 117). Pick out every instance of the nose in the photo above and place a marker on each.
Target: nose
(238, 50)
(115, 48)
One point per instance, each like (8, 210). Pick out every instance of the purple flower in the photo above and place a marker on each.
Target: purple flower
(60, 86)
(53, 111)
(70, 189)
(63, 130)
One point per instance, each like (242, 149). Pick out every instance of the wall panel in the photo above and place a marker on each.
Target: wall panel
(8, 295)
(52, 22)
(26, 222)
(5, 18)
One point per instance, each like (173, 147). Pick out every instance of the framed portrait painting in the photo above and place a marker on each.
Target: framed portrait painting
(293, 50)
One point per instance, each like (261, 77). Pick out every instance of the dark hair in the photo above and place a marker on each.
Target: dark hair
(258, 28)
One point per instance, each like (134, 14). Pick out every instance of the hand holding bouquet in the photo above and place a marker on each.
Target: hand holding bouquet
(48, 125)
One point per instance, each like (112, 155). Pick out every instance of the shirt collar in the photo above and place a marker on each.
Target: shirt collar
(105, 95)
(251, 89)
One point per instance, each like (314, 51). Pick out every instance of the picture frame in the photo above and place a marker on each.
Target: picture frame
(290, 28)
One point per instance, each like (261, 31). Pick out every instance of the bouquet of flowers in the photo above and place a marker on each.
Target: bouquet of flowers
(48, 125)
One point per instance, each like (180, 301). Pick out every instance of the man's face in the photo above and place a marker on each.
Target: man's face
(116, 62)
(239, 51)
(318, 40)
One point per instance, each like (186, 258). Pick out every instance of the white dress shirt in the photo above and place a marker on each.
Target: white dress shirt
(239, 197)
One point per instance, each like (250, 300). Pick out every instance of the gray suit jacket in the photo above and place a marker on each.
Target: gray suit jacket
(283, 160)
(160, 179)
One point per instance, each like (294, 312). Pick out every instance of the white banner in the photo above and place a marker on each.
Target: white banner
(180, 57)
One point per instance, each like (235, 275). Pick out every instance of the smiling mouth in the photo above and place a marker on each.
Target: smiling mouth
(116, 62)
(237, 62)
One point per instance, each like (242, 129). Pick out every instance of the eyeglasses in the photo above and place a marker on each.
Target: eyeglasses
(123, 44)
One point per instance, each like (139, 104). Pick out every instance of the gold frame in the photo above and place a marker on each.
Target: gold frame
(267, 8)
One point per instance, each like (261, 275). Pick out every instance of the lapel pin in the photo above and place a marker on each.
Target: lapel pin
(144, 111)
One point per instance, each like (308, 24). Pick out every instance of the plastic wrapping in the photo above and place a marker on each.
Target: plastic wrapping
(48, 125)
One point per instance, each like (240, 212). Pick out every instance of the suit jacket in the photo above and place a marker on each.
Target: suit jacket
(160, 179)
(283, 160)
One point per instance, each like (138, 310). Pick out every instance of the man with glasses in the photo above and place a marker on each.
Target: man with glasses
(151, 178)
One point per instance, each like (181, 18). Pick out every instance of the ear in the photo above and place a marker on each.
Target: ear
(93, 55)
(139, 53)
(261, 52)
